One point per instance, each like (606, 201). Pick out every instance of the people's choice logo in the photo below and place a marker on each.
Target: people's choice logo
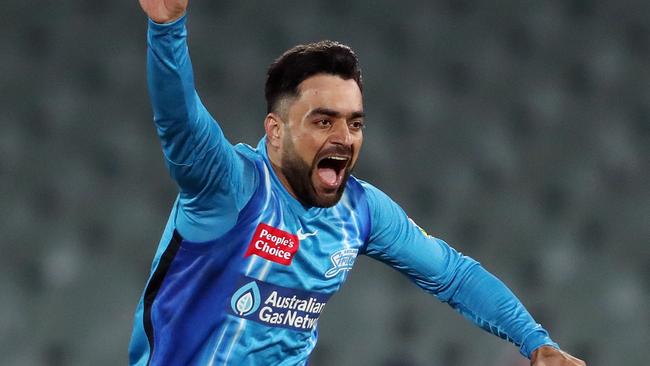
(273, 244)
(342, 261)
(246, 300)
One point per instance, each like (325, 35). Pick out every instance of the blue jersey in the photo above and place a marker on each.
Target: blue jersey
(244, 270)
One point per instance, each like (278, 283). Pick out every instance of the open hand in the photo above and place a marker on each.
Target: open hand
(164, 11)
(549, 356)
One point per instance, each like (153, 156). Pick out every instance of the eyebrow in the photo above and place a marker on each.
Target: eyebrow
(335, 114)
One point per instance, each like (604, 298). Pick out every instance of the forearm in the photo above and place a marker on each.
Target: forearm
(467, 287)
(487, 302)
(186, 129)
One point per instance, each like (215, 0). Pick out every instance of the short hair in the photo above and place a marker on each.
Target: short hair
(304, 61)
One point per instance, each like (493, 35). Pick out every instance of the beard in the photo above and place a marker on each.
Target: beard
(299, 175)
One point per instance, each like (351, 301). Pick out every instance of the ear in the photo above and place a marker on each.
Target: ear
(274, 128)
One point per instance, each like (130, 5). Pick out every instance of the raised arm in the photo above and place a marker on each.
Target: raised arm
(455, 279)
(208, 170)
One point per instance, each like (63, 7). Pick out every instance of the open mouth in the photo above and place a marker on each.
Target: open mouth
(330, 169)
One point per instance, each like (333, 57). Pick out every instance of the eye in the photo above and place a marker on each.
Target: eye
(357, 125)
(323, 123)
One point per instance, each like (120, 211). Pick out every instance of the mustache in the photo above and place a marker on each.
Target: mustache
(335, 150)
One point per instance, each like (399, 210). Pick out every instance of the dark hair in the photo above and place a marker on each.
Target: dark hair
(306, 60)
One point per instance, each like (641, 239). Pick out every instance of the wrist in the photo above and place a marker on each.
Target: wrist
(174, 26)
(534, 340)
(542, 350)
(168, 21)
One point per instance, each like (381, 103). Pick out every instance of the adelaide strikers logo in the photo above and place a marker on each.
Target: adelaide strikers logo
(246, 300)
(342, 261)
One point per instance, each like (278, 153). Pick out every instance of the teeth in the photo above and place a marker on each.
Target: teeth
(337, 158)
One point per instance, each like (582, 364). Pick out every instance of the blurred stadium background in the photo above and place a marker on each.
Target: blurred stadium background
(518, 131)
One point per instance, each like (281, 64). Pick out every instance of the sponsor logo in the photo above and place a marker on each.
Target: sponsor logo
(302, 235)
(273, 244)
(342, 261)
(277, 306)
(246, 300)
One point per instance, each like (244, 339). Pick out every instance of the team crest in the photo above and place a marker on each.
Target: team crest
(342, 261)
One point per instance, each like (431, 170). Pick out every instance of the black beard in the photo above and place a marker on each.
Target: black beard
(299, 175)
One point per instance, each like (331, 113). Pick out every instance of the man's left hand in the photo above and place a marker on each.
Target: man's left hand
(549, 356)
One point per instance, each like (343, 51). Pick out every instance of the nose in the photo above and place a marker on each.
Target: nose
(341, 134)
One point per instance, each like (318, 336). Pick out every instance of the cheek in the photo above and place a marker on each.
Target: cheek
(357, 145)
(305, 147)
(357, 150)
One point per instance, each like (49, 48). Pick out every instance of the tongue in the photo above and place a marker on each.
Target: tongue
(328, 175)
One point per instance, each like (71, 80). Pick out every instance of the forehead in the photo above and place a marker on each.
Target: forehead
(330, 91)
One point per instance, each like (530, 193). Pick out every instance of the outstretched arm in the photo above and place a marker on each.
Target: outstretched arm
(205, 165)
(455, 279)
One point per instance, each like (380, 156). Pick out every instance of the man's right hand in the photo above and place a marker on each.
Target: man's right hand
(164, 11)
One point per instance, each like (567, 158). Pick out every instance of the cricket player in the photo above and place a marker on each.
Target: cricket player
(259, 238)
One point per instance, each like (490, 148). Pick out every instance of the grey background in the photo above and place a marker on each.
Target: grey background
(518, 131)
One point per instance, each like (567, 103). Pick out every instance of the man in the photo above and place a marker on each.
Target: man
(259, 239)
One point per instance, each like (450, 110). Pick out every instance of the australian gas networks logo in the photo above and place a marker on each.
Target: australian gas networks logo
(246, 300)
(277, 306)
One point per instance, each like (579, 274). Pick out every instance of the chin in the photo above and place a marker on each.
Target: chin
(329, 200)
